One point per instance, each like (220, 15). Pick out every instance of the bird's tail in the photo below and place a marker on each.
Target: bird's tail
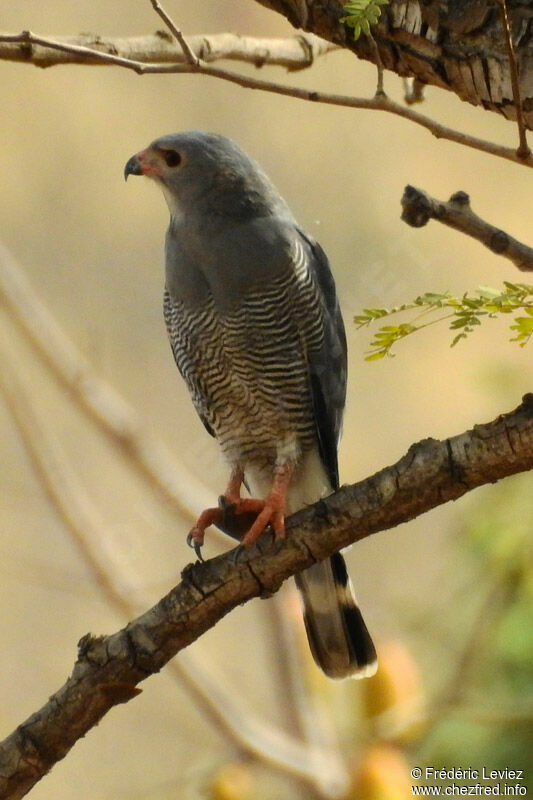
(338, 637)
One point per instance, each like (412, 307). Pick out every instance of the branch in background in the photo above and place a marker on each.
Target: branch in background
(314, 762)
(418, 208)
(100, 401)
(109, 668)
(481, 634)
(294, 53)
(378, 103)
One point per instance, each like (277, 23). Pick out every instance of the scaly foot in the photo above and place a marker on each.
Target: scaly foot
(270, 511)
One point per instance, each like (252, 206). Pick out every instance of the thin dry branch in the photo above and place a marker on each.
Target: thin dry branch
(314, 762)
(377, 103)
(523, 148)
(109, 668)
(293, 53)
(418, 208)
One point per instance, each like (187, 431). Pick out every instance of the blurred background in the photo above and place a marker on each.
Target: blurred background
(448, 597)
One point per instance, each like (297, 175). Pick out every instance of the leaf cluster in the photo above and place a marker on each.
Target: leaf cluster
(465, 313)
(361, 14)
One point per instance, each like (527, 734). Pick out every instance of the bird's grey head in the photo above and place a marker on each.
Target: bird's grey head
(200, 171)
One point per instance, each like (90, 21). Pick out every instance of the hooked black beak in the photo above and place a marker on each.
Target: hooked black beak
(132, 167)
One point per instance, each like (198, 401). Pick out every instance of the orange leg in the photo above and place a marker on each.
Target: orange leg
(271, 510)
(215, 516)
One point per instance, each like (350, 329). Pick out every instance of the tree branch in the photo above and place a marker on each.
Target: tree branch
(418, 208)
(316, 763)
(379, 102)
(294, 53)
(109, 668)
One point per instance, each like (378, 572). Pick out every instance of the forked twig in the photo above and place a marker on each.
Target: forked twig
(418, 207)
(190, 57)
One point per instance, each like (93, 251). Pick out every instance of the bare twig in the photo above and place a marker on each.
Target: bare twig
(380, 90)
(418, 208)
(109, 668)
(190, 57)
(377, 103)
(523, 148)
(314, 763)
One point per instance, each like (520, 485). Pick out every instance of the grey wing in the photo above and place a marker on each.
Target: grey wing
(328, 365)
(176, 331)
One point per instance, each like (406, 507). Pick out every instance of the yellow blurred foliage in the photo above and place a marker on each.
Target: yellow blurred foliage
(233, 781)
(393, 697)
(382, 773)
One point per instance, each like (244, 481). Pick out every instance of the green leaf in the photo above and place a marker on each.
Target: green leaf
(361, 14)
(463, 313)
(375, 356)
(458, 339)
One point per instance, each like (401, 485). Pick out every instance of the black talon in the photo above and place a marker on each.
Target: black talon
(191, 541)
(198, 551)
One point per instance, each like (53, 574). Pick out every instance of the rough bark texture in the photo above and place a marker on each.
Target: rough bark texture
(109, 668)
(455, 44)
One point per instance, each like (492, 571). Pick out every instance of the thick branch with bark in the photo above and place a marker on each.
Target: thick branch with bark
(109, 668)
(458, 46)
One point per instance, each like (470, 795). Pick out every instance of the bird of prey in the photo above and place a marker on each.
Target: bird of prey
(256, 332)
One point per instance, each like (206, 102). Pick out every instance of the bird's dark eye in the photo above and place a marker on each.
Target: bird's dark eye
(172, 158)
